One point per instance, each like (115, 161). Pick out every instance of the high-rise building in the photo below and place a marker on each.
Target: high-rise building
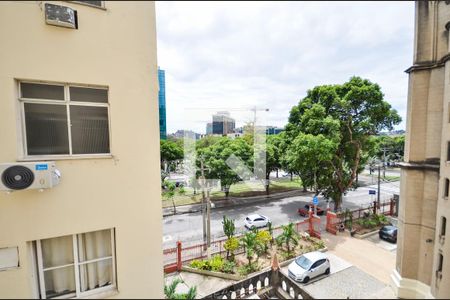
(222, 123)
(273, 130)
(423, 248)
(162, 104)
(77, 91)
(209, 128)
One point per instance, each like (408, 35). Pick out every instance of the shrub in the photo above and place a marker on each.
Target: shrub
(263, 238)
(231, 245)
(228, 267)
(319, 244)
(247, 269)
(197, 264)
(216, 263)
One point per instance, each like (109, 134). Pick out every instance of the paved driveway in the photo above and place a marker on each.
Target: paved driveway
(337, 264)
(382, 243)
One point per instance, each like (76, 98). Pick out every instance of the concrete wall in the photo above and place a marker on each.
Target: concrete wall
(115, 47)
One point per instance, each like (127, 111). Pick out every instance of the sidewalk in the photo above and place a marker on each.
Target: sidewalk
(234, 201)
(364, 254)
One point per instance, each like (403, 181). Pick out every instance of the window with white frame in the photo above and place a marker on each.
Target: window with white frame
(64, 120)
(78, 265)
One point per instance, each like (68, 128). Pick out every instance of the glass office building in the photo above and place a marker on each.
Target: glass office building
(162, 104)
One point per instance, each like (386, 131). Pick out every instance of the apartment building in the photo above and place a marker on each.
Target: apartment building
(423, 253)
(80, 209)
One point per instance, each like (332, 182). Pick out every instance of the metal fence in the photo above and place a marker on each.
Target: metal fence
(173, 257)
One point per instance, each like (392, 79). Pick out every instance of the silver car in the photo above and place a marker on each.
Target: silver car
(308, 266)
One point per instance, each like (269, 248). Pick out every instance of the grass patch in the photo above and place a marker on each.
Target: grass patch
(240, 189)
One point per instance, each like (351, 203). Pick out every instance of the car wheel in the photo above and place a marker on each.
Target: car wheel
(306, 280)
(327, 272)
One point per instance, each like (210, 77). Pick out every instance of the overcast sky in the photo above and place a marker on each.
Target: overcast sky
(233, 56)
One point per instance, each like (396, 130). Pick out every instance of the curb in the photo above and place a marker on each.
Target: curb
(363, 236)
(242, 202)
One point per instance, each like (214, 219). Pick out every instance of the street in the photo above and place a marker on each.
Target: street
(188, 227)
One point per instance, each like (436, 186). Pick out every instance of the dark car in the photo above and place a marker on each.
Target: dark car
(388, 233)
(305, 211)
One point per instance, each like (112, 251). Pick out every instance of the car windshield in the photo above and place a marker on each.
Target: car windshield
(303, 262)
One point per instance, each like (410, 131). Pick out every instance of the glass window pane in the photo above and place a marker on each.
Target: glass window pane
(57, 251)
(59, 282)
(90, 132)
(42, 91)
(93, 245)
(96, 275)
(46, 129)
(88, 94)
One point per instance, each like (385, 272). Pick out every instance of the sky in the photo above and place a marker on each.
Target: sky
(236, 56)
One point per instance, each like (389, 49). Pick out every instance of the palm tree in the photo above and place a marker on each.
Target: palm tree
(169, 291)
(229, 229)
(249, 243)
(288, 236)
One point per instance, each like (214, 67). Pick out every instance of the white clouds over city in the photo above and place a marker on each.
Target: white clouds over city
(235, 55)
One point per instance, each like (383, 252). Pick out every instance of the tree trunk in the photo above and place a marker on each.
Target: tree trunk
(291, 177)
(338, 202)
(174, 208)
(277, 173)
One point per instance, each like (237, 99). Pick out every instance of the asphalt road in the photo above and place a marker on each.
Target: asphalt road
(188, 227)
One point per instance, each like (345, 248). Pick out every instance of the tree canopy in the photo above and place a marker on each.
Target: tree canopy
(328, 133)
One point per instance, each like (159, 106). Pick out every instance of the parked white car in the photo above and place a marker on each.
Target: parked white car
(308, 266)
(256, 221)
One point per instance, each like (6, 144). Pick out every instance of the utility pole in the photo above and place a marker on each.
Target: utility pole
(204, 208)
(378, 193)
(208, 227)
(384, 162)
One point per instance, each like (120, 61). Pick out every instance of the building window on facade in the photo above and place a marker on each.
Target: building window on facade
(446, 188)
(443, 226)
(448, 151)
(440, 265)
(76, 265)
(64, 120)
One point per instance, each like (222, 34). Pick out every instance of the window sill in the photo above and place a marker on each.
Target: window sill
(64, 157)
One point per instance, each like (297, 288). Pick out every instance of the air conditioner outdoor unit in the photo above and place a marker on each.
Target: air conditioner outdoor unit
(60, 15)
(29, 175)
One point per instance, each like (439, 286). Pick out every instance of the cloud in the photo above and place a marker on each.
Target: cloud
(236, 55)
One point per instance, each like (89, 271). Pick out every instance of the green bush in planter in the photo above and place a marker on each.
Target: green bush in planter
(228, 267)
(216, 263)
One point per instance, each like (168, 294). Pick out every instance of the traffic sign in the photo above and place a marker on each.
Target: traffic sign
(315, 200)
(372, 192)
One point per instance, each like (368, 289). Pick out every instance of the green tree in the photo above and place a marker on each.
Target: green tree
(288, 236)
(228, 227)
(170, 191)
(170, 291)
(309, 154)
(171, 151)
(345, 115)
(216, 155)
